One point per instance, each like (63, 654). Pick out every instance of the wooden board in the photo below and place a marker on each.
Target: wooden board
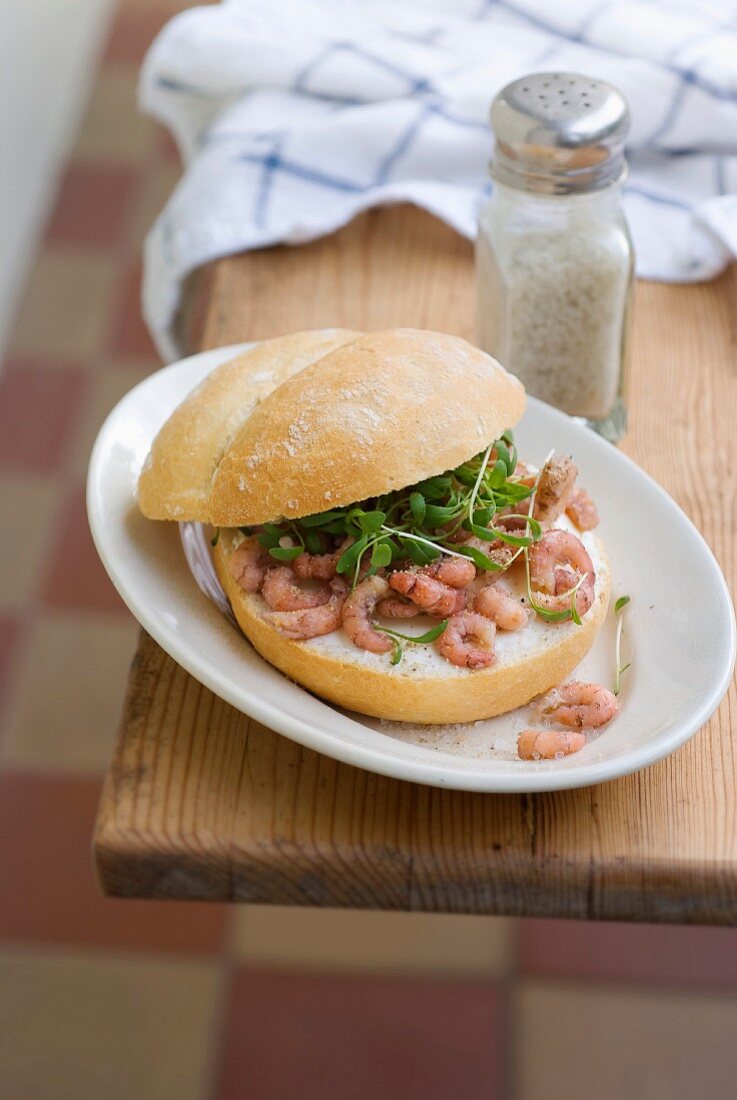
(201, 802)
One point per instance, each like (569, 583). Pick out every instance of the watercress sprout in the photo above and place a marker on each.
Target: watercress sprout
(620, 668)
(420, 639)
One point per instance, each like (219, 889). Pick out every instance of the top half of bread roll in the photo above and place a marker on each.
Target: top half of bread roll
(177, 476)
(377, 414)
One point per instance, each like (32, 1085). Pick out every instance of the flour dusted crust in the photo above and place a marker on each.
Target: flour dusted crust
(424, 687)
(377, 414)
(177, 475)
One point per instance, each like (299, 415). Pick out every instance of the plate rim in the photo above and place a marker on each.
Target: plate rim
(308, 734)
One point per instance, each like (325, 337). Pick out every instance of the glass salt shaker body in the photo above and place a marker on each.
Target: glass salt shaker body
(554, 256)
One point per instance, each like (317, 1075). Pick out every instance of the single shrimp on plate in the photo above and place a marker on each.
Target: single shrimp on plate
(248, 563)
(548, 744)
(554, 488)
(582, 510)
(577, 705)
(557, 563)
(496, 602)
(468, 640)
(358, 614)
(282, 592)
(311, 622)
(429, 594)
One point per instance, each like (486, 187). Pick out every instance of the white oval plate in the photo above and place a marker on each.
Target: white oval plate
(679, 632)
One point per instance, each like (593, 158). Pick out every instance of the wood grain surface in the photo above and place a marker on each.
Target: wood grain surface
(201, 802)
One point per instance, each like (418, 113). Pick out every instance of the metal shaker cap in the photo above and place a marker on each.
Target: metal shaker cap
(559, 134)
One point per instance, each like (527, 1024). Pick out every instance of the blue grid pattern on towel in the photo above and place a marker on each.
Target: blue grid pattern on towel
(395, 109)
(430, 104)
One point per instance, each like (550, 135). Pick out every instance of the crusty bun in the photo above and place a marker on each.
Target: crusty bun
(378, 414)
(424, 687)
(177, 475)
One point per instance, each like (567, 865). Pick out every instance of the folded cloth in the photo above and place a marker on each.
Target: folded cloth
(293, 116)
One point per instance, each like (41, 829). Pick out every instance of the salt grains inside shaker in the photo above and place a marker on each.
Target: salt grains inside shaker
(554, 256)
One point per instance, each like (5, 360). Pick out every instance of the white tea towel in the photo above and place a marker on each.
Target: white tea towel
(294, 115)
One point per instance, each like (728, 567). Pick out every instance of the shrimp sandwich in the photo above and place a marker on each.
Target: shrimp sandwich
(379, 538)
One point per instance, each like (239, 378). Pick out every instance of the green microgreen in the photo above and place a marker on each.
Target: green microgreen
(418, 524)
(215, 538)
(286, 553)
(618, 609)
(420, 639)
(483, 467)
(418, 507)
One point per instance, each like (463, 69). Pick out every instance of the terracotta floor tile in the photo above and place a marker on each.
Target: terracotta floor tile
(8, 639)
(92, 1027)
(113, 129)
(345, 940)
(93, 205)
(65, 310)
(159, 182)
(167, 147)
(105, 387)
(27, 511)
(70, 695)
(580, 1043)
(48, 886)
(130, 337)
(321, 1038)
(134, 29)
(640, 953)
(38, 407)
(76, 578)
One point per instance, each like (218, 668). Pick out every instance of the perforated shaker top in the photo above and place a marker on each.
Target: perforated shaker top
(559, 133)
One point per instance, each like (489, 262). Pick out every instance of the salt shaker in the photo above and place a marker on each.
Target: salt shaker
(554, 255)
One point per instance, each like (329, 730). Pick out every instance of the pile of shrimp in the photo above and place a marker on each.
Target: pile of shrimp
(308, 598)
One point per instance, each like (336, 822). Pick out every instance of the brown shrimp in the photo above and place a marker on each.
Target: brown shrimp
(455, 572)
(311, 622)
(320, 567)
(495, 601)
(358, 612)
(557, 563)
(394, 607)
(578, 705)
(582, 510)
(282, 592)
(548, 744)
(434, 597)
(456, 645)
(248, 563)
(554, 488)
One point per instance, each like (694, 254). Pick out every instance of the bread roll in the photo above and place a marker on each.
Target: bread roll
(320, 420)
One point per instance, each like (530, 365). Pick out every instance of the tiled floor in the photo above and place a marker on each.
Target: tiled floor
(103, 998)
